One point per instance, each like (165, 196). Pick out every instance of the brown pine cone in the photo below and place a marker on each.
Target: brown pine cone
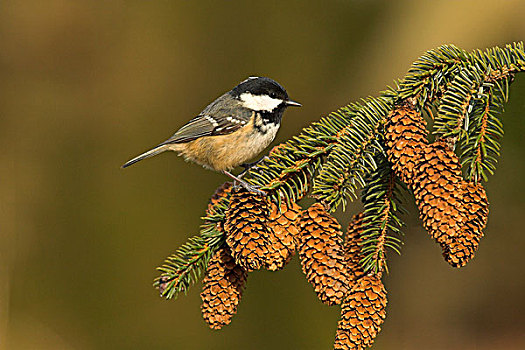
(222, 289)
(246, 229)
(322, 255)
(362, 314)
(221, 196)
(459, 248)
(221, 193)
(405, 133)
(282, 225)
(353, 249)
(453, 211)
(405, 123)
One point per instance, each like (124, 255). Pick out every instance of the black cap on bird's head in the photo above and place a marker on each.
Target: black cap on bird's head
(261, 93)
(260, 86)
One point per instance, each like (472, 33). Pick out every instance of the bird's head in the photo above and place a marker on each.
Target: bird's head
(262, 94)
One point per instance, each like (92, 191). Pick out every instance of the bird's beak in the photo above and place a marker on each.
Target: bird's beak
(292, 103)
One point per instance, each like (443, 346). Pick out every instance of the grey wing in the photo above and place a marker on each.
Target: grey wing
(211, 122)
(197, 127)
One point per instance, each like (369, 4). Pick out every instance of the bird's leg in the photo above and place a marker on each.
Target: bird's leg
(247, 186)
(248, 166)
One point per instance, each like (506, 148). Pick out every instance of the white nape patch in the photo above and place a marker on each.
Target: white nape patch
(260, 102)
(249, 78)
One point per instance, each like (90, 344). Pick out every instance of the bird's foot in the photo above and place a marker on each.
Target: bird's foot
(240, 182)
(250, 188)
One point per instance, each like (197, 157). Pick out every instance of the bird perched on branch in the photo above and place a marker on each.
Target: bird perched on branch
(231, 130)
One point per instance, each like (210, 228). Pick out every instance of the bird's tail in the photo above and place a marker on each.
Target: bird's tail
(152, 152)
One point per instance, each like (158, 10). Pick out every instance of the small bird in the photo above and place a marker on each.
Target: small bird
(231, 130)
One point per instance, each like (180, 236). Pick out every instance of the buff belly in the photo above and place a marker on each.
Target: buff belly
(225, 152)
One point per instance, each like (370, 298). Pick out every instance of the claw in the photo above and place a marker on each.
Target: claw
(251, 188)
(239, 182)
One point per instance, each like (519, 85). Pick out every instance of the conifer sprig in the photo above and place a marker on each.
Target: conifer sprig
(382, 198)
(481, 146)
(429, 75)
(184, 267)
(469, 111)
(288, 171)
(352, 158)
(336, 156)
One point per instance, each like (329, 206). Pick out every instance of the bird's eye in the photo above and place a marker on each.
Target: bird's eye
(273, 95)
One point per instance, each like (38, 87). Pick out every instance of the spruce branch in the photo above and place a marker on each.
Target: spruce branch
(382, 223)
(288, 171)
(470, 109)
(481, 147)
(184, 267)
(452, 120)
(353, 157)
(430, 74)
(333, 158)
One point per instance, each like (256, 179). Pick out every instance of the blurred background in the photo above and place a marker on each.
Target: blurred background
(86, 85)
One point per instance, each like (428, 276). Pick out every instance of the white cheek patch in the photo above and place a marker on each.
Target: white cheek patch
(260, 102)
